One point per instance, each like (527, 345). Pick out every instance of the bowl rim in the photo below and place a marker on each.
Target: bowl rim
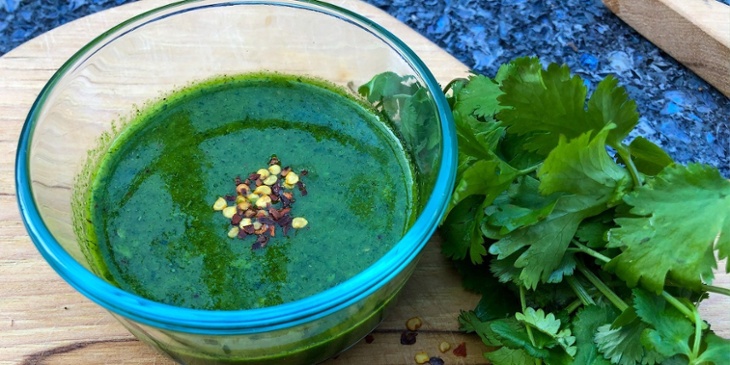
(246, 321)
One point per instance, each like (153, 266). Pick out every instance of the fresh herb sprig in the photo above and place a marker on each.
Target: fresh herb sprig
(587, 250)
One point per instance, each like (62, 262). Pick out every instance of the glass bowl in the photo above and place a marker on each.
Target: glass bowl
(86, 103)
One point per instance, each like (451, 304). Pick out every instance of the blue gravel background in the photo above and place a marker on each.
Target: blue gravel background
(680, 112)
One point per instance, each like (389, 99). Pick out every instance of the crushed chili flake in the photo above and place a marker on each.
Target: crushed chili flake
(304, 172)
(369, 338)
(264, 212)
(302, 188)
(435, 361)
(408, 337)
(460, 350)
(265, 220)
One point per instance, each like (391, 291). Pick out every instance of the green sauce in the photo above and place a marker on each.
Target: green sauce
(154, 232)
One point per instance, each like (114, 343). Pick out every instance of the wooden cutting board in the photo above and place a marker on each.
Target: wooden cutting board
(44, 321)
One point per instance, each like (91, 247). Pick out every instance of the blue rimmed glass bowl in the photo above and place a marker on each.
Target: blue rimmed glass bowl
(146, 57)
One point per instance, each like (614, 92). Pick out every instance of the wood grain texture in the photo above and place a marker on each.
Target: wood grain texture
(695, 32)
(44, 321)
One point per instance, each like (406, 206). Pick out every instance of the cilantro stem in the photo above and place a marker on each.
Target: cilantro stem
(523, 303)
(625, 154)
(451, 84)
(574, 305)
(602, 287)
(698, 336)
(529, 170)
(587, 250)
(580, 290)
(691, 314)
(716, 289)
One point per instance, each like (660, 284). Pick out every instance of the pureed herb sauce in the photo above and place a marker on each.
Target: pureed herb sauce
(156, 233)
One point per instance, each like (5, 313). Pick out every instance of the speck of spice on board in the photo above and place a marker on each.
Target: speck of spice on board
(460, 350)
(263, 202)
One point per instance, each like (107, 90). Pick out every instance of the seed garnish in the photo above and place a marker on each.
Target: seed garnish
(263, 201)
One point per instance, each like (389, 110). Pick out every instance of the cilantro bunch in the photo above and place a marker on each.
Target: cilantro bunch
(587, 250)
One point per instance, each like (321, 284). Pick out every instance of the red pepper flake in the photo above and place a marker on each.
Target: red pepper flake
(274, 213)
(286, 199)
(265, 220)
(236, 219)
(284, 221)
(302, 188)
(369, 338)
(260, 242)
(267, 217)
(248, 229)
(435, 361)
(304, 172)
(460, 350)
(408, 337)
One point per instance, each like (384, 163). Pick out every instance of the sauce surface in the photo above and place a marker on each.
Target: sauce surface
(156, 234)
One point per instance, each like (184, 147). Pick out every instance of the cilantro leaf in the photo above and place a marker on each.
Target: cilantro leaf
(582, 166)
(592, 231)
(622, 345)
(508, 356)
(546, 241)
(504, 269)
(717, 351)
(520, 205)
(610, 104)
(470, 323)
(543, 105)
(585, 325)
(418, 122)
(472, 181)
(512, 334)
(550, 326)
(461, 231)
(648, 158)
(476, 278)
(477, 139)
(681, 217)
(479, 97)
(565, 207)
(565, 268)
(670, 330)
(388, 84)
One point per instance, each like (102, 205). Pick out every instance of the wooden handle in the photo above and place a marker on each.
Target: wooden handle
(694, 32)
